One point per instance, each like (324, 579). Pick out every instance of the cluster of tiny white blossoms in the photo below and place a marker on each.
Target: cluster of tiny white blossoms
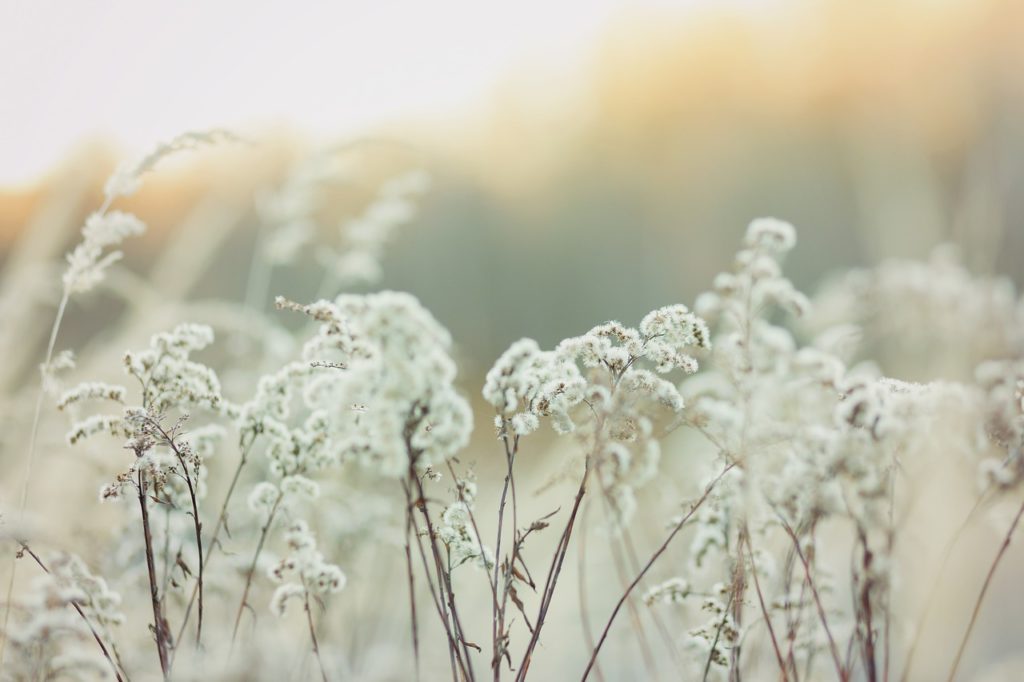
(810, 439)
(614, 370)
(384, 386)
(88, 262)
(168, 381)
(303, 573)
(458, 532)
(104, 229)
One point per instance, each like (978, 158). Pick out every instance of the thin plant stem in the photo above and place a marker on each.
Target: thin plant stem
(252, 564)
(934, 587)
(840, 671)
(312, 637)
(409, 530)
(718, 635)
(439, 604)
(745, 539)
(984, 590)
(159, 625)
(221, 521)
(553, 573)
(26, 478)
(444, 580)
(498, 617)
(76, 607)
(647, 567)
(196, 524)
(581, 581)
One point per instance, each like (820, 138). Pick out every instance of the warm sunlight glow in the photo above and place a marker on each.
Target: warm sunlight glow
(78, 70)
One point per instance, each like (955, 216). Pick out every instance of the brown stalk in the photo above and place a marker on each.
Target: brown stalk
(454, 655)
(745, 539)
(843, 675)
(409, 529)
(221, 518)
(159, 625)
(312, 636)
(95, 635)
(553, 573)
(443, 577)
(196, 523)
(252, 565)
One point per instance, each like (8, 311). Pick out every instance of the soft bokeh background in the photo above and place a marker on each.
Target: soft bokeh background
(591, 160)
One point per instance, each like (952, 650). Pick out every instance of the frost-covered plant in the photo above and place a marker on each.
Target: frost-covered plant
(87, 263)
(168, 464)
(605, 387)
(806, 453)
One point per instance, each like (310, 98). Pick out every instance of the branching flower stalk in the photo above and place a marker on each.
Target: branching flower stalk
(87, 263)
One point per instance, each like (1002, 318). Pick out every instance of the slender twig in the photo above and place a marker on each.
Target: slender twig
(33, 441)
(443, 577)
(196, 523)
(498, 615)
(439, 604)
(718, 635)
(833, 649)
(745, 539)
(867, 559)
(650, 562)
(984, 589)
(933, 588)
(553, 573)
(409, 530)
(312, 636)
(96, 635)
(581, 582)
(252, 564)
(159, 625)
(221, 524)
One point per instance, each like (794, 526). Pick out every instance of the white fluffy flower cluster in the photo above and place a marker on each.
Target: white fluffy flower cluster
(384, 396)
(614, 370)
(88, 262)
(457, 533)
(169, 379)
(527, 383)
(104, 230)
(671, 591)
(811, 439)
(303, 572)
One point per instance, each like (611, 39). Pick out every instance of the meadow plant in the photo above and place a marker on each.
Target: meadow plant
(782, 551)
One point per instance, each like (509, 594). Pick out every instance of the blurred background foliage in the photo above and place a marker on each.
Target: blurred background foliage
(567, 196)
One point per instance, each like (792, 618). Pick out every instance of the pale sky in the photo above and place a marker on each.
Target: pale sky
(136, 72)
